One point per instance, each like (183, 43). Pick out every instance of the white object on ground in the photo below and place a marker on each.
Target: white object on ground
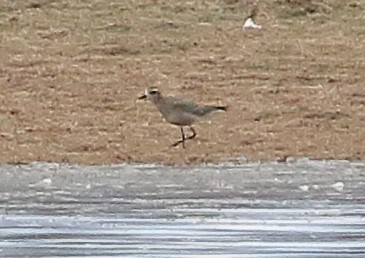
(304, 188)
(250, 24)
(43, 183)
(338, 186)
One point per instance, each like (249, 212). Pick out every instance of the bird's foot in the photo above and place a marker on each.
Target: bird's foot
(177, 143)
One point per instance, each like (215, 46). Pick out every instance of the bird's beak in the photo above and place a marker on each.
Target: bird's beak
(144, 96)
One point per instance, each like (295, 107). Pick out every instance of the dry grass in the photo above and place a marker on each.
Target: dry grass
(70, 73)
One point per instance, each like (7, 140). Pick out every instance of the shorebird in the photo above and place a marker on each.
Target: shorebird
(250, 20)
(179, 112)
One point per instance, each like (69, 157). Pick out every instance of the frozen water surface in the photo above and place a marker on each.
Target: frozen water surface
(300, 209)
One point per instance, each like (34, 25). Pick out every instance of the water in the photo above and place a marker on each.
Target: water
(299, 209)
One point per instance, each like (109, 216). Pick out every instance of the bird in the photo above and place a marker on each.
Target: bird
(179, 112)
(250, 20)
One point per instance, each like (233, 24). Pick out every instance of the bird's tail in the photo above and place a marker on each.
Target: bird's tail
(205, 110)
(224, 108)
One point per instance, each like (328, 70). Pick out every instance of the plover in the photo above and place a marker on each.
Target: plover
(179, 112)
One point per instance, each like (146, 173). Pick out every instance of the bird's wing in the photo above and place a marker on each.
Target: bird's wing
(188, 106)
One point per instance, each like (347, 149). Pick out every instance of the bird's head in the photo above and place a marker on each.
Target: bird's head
(151, 93)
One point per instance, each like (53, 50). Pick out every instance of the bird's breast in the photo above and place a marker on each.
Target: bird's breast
(181, 119)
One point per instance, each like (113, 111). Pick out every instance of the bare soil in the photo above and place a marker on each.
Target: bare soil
(71, 71)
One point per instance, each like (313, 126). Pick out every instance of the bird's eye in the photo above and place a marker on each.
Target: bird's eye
(153, 92)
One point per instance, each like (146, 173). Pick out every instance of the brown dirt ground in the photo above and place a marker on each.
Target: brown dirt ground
(70, 72)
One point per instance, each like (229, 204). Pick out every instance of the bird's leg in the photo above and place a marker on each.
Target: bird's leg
(182, 139)
(193, 135)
